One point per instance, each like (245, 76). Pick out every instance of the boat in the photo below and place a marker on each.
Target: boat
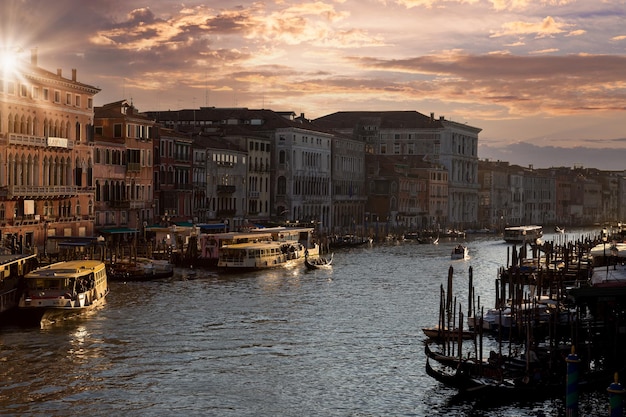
(140, 270)
(287, 246)
(437, 333)
(523, 234)
(319, 262)
(347, 241)
(497, 383)
(13, 267)
(460, 252)
(62, 290)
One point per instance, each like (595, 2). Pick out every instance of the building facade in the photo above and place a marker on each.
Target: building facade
(124, 161)
(46, 158)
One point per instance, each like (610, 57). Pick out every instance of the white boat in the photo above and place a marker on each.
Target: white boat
(63, 290)
(460, 252)
(285, 246)
(523, 234)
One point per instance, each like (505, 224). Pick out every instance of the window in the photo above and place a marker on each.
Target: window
(46, 94)
(57, 96)
(77, 101)
(117, 130)
(98, 130)
(11, 87)
(23, 90)
(89, 103)
(36, 93)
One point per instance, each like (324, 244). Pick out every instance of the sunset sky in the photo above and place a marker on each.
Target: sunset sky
(542, 72)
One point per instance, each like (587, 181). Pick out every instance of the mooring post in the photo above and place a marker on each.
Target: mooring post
(616, 398)
(571, 394)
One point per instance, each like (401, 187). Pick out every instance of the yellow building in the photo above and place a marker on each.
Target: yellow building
(46, 183)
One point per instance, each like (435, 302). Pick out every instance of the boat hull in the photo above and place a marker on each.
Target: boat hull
(45, 316)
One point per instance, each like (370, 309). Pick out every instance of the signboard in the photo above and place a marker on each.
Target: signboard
(57, 142)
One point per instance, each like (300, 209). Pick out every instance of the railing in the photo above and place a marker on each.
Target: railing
(38, 191)
(40, 141)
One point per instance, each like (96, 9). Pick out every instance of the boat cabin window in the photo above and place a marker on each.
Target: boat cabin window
(46, 284)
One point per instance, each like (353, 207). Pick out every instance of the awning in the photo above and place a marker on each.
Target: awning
(118, 230)
(211, 226)
(75, 244)
(184, 224)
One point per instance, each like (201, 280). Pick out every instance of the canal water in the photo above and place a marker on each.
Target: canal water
(288, 342)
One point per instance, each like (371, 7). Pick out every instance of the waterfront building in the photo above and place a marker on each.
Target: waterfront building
(497, 194)
(46, 159)
(124, 162)
(226, 173)
(419, 137)
(539, 197)
(300, 190)
(173, 187)
(259, 166)
(349, 194)
(199, 181)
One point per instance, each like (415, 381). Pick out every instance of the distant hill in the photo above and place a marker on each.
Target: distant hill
(525, 154)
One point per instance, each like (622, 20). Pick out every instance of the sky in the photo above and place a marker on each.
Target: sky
(532, 74)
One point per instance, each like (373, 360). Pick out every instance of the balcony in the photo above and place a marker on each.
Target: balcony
(226, 189)
(38, 191)
(253, 194)
(40, 141)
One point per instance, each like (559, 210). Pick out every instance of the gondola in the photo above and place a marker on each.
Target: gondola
(470, 378)
(318, 262)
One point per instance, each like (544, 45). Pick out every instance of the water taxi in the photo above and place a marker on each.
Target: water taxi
(282, 247)
(521, 234)
(63, 290)
(13, 267)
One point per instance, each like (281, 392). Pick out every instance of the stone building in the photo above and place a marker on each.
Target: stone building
(46, 160)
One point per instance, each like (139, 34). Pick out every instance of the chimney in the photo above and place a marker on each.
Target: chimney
(432, 116)
(59, 72)
(73, 74)
(33, 56)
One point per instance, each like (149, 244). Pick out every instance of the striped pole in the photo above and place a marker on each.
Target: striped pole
(616, 398)
(571, 395)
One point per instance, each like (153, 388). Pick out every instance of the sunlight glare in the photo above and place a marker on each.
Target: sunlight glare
(8, 61)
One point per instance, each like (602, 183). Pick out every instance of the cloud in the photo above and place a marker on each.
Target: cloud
(518, 85)
(547, 27)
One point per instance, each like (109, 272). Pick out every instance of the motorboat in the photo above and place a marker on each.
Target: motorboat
(62, 290)
(523, 234)
(288, 246)
(460, 252)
